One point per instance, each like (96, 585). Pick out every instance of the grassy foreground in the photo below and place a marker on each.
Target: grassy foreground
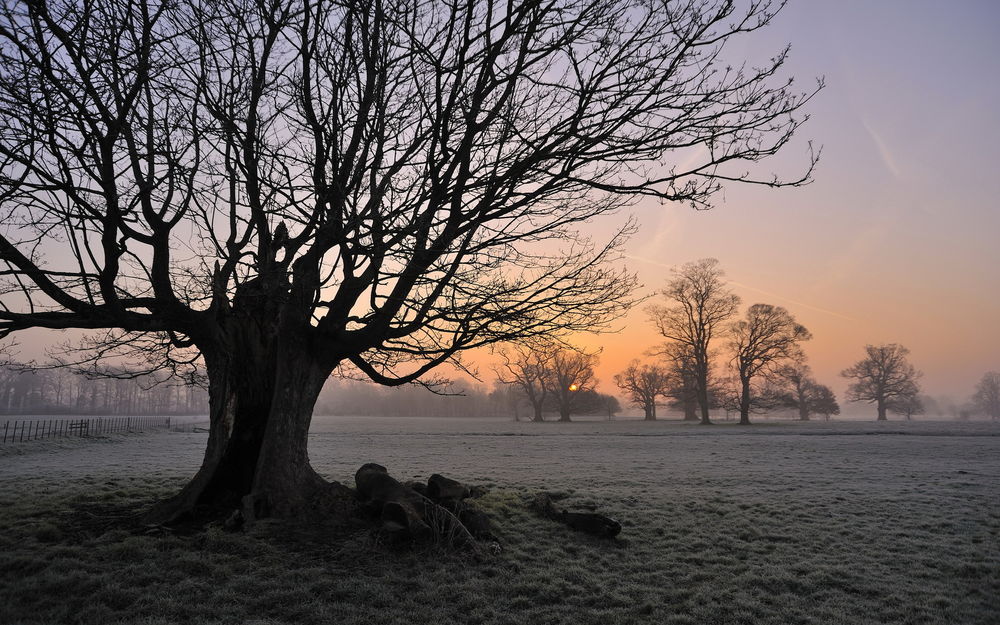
(764, 527)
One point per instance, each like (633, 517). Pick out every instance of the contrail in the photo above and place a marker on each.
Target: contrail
(753, 288)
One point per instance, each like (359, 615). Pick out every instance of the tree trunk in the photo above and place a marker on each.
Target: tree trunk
(564, 414)
(703, 405)
(701, 385)
(261, 402)
(538, 413)
(745, 402)
(881, 410)
(650, 412)
(690, 410)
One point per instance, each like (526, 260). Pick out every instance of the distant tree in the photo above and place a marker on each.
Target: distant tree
(509, 396)
(764, 340)
(526, 367)
(882, 376)
(802, 393)
(570, 373)
(643, 385)
(907, 405)
(592, 402)
(682, 387)
(987, 395)
(796, 376)
(823, 401)
(611, 405)
(727, 395)
(702, 303)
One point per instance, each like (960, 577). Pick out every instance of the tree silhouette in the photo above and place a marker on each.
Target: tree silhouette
(569, 376)
(683, 379)
(803, 393)
(703, 304)
(643, 384)
(882, 377)
(282, 188)
(526, 367)
(823, 401)
(907, 405)
(762, 342)
(987, 395)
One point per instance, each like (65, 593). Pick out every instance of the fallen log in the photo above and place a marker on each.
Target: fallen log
(588, 522)
(443, 489)
(592, 523)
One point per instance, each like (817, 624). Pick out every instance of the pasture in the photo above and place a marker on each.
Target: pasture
(781, 523)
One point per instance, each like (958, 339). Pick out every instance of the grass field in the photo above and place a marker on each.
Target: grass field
(777, 523)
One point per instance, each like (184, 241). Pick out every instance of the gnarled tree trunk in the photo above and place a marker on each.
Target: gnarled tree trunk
(262, 391)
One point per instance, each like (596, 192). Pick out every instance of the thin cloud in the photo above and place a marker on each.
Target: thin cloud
(883, 150)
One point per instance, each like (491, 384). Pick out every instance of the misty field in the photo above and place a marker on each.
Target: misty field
(775, 523)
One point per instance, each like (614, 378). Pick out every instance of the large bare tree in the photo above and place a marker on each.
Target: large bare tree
(702, 304)
(883, 377)
(283, 188)
(765, 339)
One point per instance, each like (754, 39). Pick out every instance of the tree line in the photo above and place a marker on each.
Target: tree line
(24, 390)
(552, 377)
(761, 365)
(462, 398)
(764, 365)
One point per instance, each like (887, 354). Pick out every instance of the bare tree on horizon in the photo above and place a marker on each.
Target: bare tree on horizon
(907, 405)
(882, 377)
(767, 338)
(703, 304)
(803, 393)
(278, 189)
(570, 375)
(526, 366)
(644, 384)
(682, 370)
(987, 395)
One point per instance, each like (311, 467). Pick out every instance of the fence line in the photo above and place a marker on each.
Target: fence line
(36, 429)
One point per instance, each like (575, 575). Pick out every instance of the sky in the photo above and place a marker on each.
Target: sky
(897, 240)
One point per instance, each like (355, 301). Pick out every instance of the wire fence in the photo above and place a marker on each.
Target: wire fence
(21, 430)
